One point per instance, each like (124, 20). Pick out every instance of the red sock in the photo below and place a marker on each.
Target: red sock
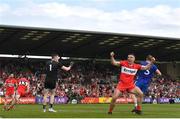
(138, 107)
(110, 109)
(12, 106)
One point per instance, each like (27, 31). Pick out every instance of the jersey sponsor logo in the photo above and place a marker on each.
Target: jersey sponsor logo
(128, 70)
(10, 85)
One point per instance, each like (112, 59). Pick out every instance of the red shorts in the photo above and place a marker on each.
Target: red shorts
(21, 93)
(125, 87)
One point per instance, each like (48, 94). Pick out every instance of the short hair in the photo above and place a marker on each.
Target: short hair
(131, 54)
(149, 57)
(54, 55)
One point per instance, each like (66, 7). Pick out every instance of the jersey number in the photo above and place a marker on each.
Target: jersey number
(50, 67)
(23, 83)
(147, 72)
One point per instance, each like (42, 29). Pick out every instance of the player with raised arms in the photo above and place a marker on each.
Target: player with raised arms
(23, 88)
(52, 68)
(126, 79)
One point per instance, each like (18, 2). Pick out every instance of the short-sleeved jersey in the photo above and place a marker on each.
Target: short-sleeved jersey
(23, 84)
(128, 71)
(145, 76)
(52, 69)
(10, 84)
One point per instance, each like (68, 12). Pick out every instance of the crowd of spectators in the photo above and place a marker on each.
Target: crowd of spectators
(164, 88)
(86, 79)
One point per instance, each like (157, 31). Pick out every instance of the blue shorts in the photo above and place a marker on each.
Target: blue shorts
(142, 86)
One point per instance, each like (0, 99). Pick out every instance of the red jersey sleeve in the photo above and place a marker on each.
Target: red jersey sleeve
(122, 62)
(138, 66)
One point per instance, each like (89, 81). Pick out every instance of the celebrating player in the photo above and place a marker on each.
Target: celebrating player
(144, 78)
(10, 87)
(52, 68)
(22, 89)
(126, 79)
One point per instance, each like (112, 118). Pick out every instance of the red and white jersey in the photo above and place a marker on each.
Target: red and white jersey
(128, 71)
(10, 84)
(23, 84)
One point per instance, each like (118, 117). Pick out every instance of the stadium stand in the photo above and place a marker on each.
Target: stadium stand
(87, 79)
(86, 44)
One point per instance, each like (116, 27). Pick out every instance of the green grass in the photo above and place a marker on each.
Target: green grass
(93, 111)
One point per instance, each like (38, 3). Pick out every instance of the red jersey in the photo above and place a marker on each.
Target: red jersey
(10, 84)
(23, 84)
(128, 72)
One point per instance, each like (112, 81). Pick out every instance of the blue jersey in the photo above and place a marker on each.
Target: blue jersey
(144, 77)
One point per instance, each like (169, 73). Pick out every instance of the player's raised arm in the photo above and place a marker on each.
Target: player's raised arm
(113, 61)
(148, 66)
(158, 72)
(69, 67)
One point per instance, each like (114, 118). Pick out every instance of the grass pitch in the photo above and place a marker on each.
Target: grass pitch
(93, 111)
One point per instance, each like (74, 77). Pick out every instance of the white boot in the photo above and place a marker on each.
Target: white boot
(44, 110)
(52, 110)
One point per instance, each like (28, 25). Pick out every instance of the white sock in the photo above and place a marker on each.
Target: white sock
(135, 104)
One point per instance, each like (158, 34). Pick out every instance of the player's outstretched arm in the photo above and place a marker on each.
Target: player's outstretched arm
(158, 72)
(113, 61)
(67, 68)
(148, 66)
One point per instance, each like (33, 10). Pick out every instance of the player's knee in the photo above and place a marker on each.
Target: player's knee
(114, 98)
(141, 95)
(46, 93)
(45, 96)
(17, 97)
(53, 93)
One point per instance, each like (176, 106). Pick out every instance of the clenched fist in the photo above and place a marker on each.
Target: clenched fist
(112, 54)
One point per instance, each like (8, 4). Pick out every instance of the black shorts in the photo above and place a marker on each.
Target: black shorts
(50, 83)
